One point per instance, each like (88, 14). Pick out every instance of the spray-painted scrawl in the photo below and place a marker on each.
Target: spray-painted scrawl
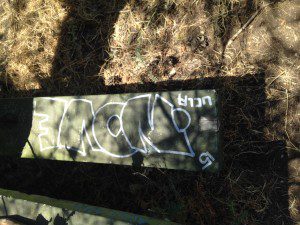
(149, 124)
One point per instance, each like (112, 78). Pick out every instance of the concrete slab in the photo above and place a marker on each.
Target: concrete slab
(174, 130)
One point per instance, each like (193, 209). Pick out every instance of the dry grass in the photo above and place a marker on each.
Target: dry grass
(30, 32)
(154, 41)
(145, 35)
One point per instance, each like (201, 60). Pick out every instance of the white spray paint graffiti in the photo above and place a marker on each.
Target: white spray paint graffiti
(199, 101)
(43, 126)
(206, 159)
(142, 143)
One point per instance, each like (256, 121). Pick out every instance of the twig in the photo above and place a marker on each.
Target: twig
(245, 25)
(286, 119)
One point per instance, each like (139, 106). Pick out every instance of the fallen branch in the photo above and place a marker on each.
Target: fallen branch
(245, 25)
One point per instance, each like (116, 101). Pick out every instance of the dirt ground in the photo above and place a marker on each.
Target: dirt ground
(248, 50)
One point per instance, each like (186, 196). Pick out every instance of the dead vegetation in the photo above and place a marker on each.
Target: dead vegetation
(74, 47)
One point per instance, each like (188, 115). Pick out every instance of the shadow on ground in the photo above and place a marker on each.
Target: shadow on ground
(252, 184)
(83, 45)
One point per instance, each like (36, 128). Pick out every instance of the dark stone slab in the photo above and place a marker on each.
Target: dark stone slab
(40, 210)
(175, 130)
